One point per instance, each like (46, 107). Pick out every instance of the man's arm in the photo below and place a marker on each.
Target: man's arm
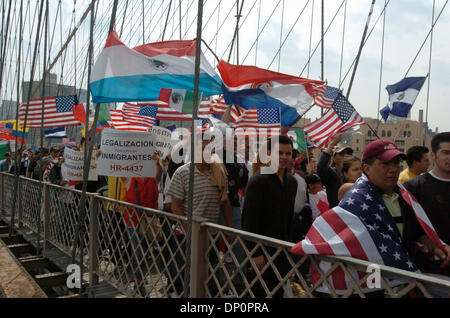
(323, 166)
(225, 206)
(177, 206)
(444, 254)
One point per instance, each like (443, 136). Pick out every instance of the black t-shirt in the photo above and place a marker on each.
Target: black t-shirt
(269, 206)
(33, 163)
(237, 179)
(434, 197)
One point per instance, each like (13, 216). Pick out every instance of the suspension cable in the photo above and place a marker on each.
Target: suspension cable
(287, 36)
(429, 67)
(426, 38)
(367, 38)
(257, 30)
(381, 69)
(310, 37)
(343, 38)
(331, 22)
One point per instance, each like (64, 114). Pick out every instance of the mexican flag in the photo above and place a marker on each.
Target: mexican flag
(181, 100)
(4, 148)
(299, 139)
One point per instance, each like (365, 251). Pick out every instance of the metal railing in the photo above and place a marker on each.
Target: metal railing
(141, 252)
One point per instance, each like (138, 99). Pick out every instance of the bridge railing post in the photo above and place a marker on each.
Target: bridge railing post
(47, 211)
(20, 198)
(198, 260)
(93, 242)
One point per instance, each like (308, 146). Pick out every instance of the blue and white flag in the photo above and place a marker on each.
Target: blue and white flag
(59, 132)
(402, 96)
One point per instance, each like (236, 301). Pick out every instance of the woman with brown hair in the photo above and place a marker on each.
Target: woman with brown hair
(351, 171)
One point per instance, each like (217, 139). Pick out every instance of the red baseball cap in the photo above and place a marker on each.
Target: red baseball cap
(384, 150)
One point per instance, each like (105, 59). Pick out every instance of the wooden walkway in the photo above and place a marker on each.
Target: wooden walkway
(15, 281)
(23, 284)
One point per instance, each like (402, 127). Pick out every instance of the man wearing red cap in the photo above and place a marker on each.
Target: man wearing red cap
(362, 225)
(381, 164)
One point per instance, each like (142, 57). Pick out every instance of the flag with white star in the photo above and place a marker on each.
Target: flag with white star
(361, 227)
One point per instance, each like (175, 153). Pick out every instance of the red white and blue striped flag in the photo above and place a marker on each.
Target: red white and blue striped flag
(165, 112)
(337, 120)
(264, 121)
(143, 115)
(57, 112)
(361, 227)
(118, 123)
(327, 99)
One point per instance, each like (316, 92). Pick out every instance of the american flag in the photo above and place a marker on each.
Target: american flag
(118, 123)
(264, 121)
(6, 127)
(218, 108)
(338, 119)
(326, 100)
(167, 113)
(361, 227)
(57, 112)
(143, 115)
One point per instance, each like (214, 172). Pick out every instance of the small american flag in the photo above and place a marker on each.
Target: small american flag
(6, 127)
(118, 123)
(167, 113)
(218, 108)
(143, 115)
(264, 121)
(327, 99)
(337, 120)
(361, 227)
(57, 112)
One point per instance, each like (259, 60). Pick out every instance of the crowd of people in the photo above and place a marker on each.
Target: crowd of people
(281, 205)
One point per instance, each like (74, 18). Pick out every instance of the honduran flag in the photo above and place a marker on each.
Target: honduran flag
(122, 74)
(250, 86)
(402, 96)
(58, 133)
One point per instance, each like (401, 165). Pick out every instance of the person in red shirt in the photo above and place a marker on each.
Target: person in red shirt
(143, 192)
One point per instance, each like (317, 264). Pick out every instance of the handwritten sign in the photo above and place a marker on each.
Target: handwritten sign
(127, 154)
(163, 140)
(72, 168)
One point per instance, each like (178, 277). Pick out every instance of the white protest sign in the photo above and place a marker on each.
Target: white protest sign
(72, 168)
(127, 154)
(162, 137)
(12, 145)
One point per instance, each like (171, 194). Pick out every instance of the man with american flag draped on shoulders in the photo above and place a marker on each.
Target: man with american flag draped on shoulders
(362, 225)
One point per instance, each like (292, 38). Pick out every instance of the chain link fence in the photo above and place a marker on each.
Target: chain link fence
(141, 252)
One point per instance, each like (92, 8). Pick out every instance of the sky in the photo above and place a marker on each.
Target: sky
(407, 24)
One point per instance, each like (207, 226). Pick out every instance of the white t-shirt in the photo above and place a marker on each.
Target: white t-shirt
(314, 200)
(300, 196)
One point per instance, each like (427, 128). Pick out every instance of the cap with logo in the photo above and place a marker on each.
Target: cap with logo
(343, 147)
(384, 150)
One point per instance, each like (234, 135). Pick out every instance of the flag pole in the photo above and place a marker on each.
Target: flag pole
(78, 238)
(186, 291)
(17, 172)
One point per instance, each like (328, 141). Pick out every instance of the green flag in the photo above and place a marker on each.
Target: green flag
(103, 114)
(183, 100)
(4, 148)
(301, 142)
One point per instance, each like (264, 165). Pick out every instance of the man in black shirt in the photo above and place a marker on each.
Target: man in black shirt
(432, 190)
(268, 209)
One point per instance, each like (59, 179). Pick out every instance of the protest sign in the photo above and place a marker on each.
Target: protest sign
(72, 168)
(163, 143)
(127, 154)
